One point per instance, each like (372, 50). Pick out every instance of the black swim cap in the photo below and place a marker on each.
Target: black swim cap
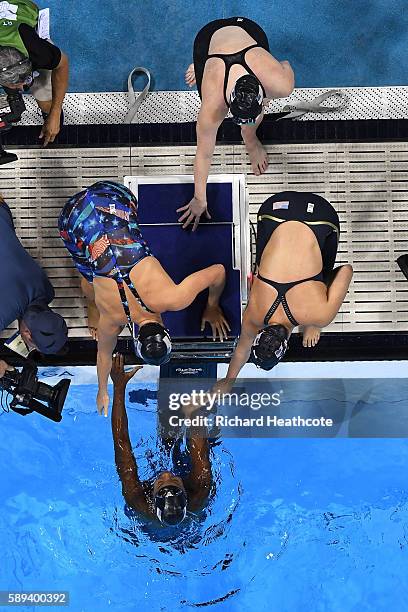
(246, 100)
(270, 346)
(171, 505)
(153, 344)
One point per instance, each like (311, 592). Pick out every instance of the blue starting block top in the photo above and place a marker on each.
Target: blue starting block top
(182, 252)
(158, 202)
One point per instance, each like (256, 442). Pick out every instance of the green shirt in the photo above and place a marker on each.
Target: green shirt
(10, 21)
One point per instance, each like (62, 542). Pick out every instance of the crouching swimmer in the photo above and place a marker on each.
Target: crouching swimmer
(124, 283)
(166, 497)
(296, 283)
(234, 71)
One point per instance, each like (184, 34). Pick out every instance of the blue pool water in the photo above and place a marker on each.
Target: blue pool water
(293, 524)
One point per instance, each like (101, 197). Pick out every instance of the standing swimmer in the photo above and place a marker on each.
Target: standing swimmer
(123, 282)
(295, 284)
(234, 71)
(168, 497)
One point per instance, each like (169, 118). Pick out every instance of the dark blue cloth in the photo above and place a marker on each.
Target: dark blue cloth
(22, 281)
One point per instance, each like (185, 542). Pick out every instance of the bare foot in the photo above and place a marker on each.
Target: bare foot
(311, 335)
(190, 76)
(93, 319)
(257, 156)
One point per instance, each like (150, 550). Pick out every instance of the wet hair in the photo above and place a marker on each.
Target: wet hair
(171, 505)
(153, 344)
(246, 99)
(14, 66)
(270, 346)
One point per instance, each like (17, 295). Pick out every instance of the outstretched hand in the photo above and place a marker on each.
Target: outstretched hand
(102, 403)
(192, 213)
(214, 316)
(118, 375)
(51, 128)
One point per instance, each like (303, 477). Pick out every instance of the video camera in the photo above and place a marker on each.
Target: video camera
(12, 107)
(34, 396)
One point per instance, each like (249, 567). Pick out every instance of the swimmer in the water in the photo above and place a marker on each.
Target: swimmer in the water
(168, 497)
(296, 283)
(233, 71)
(124, 283)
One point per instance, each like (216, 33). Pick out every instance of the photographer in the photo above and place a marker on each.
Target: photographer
(26, 293)
(30, 62)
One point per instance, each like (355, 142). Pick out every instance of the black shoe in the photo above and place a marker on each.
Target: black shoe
(402, 261)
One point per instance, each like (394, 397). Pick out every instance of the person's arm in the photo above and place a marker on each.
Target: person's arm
(5, 367)
(207, 127)
(59, 79)
(199, 480)
(242, 351)
(132, 489)
(336, 293)
(178, 297)
(107, 338)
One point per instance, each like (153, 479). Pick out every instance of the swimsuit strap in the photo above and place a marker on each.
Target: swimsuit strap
(280, 299)
(120, 281)
(282, 289)
(272, 310)
(227, 59)
(245, 65)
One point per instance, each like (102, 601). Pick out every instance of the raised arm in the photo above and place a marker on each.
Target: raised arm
(336, 293)
(132, 488)
(199, 480)
(208, 123)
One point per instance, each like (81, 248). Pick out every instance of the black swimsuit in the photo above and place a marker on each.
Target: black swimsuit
(310, 209)
(202, 45)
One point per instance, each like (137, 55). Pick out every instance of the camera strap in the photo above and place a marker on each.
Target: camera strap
(136, 102)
